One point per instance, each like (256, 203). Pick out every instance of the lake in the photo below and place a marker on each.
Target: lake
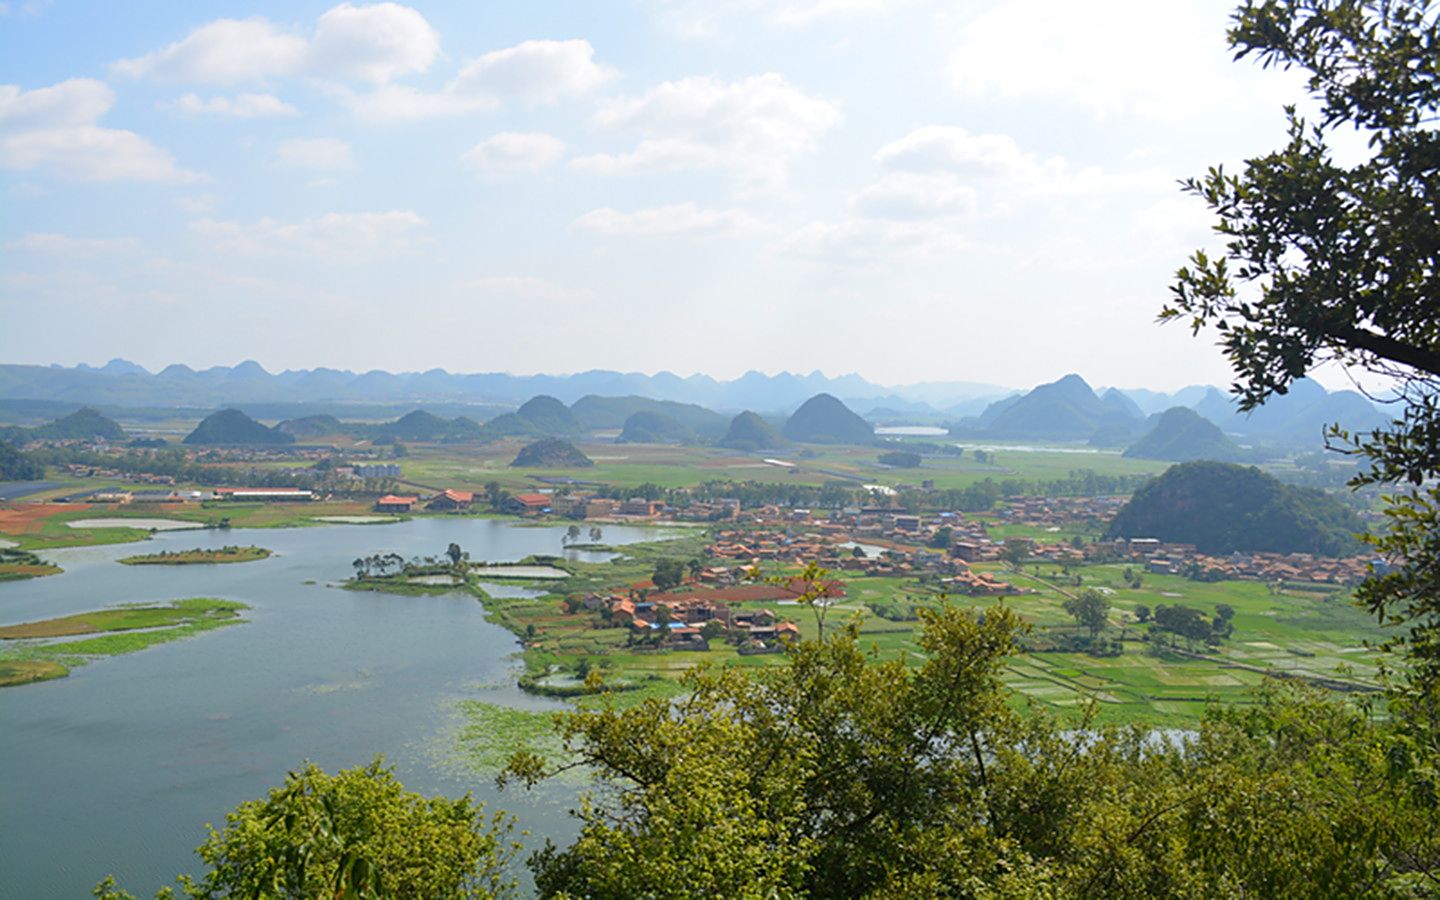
(117, 768)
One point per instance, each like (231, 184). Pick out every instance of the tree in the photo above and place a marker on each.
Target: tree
(1328, 262)
(669, 573)
(18, 466)
(455, 554)
(1184, 622)
(572, 534)
(1142, 613)
(1222, 626)
(943, 537)
(1090, 609)
(596, 534)
(355, 834)
(1015, 551)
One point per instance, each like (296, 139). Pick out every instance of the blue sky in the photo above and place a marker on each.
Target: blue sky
(910, 190)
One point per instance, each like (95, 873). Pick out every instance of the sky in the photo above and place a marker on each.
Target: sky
(911, 190)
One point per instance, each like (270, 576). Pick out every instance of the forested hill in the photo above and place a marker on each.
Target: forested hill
(1223, 508)
(823, 419)
(231, 426)
(1182, 435)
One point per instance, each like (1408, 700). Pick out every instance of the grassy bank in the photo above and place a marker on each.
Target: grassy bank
(16, 565)
(198, 556)
(119, 630)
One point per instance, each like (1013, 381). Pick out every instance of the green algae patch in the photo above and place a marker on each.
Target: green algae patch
(489, 734)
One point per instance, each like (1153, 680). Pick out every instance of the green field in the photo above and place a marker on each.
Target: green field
(1308, 634)
(471, 466)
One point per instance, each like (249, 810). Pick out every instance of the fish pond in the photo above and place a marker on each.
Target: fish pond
(118, 767)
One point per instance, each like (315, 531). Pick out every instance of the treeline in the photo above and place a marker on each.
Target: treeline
(176, 464)
(17, 465)
(978, 497)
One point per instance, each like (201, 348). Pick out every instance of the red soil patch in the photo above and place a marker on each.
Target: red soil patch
(28, 518)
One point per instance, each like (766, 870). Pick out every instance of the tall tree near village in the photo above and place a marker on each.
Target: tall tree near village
(1327, 262)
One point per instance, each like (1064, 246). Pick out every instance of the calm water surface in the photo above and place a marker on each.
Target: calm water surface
(117, 768)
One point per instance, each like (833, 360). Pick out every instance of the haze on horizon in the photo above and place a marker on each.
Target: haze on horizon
(897, 188)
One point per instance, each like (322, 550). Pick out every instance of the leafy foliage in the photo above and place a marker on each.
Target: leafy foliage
(1324, 261)
(357, 834)
(15, 465)
(840, 776)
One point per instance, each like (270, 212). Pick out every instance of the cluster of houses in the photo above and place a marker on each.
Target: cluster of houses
(84, 471)
(1058, 512)
(1183, 559)
(832, 548)
(690, 621)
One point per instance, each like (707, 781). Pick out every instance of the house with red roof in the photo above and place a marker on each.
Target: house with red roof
(394, 504)
(450, 500)
(529, 504)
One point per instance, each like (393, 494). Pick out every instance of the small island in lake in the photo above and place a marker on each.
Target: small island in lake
(198, 556)
(18, 564)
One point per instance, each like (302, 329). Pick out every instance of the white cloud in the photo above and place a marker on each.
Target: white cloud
(706, 18)
(679, 220)
(861, 241)
(533, 72)
(333, 235)
(369, 44)
(226, 51)
(909, 195)
(53, 244)
(55, 129)
(755, 127)
(514, 152)
(525, 287)
(197, 204)
(1122, 57)
(372, 43)
(998, 161)
(242, 106)
(315, 153)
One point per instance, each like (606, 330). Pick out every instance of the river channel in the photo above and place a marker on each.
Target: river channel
(117, 768)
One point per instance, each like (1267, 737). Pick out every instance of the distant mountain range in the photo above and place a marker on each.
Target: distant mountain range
(1065, 410)
(123, 383)
(1070, 410)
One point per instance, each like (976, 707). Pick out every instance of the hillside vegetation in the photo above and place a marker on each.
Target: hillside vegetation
(231, 426)
(82, 424)
(552, 453)
(749, 432)
(650, 427)
(823, 419)
(1182, 435)
(1223, 508)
